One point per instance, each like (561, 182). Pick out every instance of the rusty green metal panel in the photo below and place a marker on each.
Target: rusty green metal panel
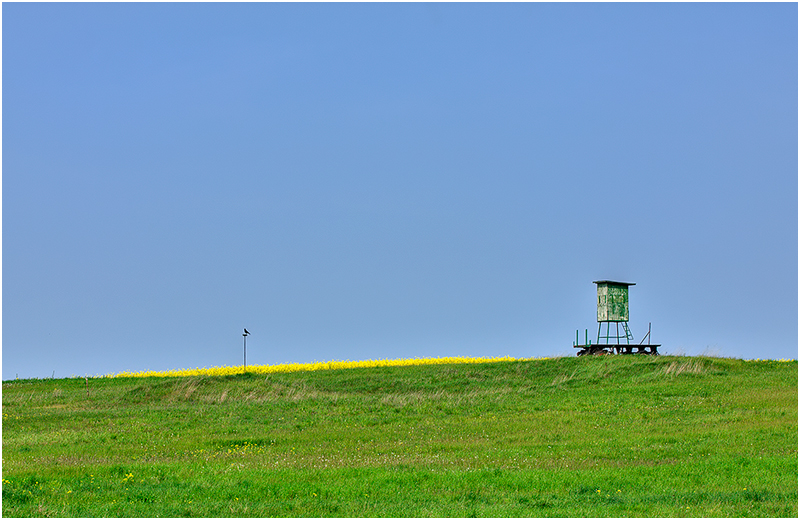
(612, 300)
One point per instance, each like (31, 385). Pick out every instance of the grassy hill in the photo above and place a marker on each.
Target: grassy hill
(601, 436)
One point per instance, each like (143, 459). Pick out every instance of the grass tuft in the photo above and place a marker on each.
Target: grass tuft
(684, 367)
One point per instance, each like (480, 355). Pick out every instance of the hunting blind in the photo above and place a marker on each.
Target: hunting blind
(612, 307)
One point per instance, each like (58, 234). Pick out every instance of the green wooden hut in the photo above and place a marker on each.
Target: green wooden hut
(612, 300)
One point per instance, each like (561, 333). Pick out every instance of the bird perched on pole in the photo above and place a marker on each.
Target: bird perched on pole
(246, 332)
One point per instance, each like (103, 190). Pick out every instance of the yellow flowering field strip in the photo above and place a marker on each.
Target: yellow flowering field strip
(321, 365)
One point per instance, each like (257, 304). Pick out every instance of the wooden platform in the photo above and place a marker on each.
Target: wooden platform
(601, 349)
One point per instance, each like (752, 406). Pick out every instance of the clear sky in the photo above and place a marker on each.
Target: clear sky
(370, 181)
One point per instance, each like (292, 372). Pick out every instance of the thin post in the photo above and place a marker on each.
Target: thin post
(244, 337)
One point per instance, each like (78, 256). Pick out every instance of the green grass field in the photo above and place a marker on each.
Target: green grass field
(608, 436)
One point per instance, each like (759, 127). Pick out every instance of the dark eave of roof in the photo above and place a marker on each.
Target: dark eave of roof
(609, 282)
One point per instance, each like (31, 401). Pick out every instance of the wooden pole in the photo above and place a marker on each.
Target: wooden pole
(244, 336)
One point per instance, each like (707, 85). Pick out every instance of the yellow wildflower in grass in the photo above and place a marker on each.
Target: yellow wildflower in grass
(322, 365)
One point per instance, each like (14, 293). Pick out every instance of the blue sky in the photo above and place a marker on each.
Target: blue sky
(366, 181)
